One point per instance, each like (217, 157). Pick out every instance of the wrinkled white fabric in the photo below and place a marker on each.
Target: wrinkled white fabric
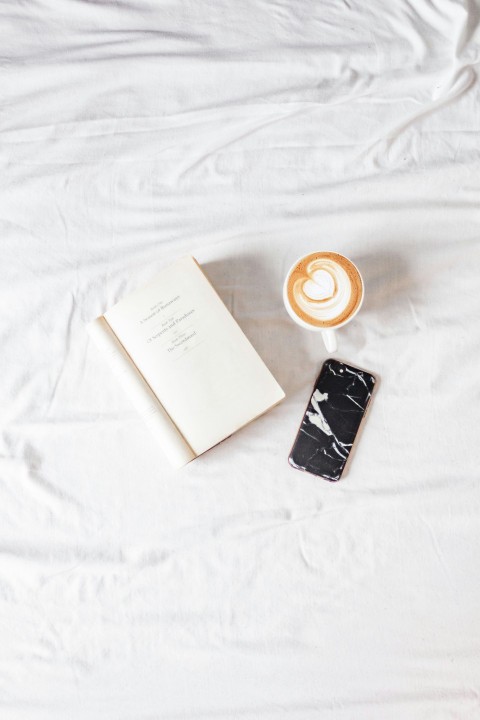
(246, 133)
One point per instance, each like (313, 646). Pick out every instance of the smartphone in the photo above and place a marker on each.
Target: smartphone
(338, 403)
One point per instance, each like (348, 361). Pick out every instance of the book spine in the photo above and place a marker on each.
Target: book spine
(170, 439)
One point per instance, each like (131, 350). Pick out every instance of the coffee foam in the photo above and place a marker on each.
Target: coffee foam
(324, 289)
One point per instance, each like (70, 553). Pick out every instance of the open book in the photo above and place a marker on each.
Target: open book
(184, 362)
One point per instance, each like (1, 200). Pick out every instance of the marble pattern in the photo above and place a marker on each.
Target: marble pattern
(332, 419)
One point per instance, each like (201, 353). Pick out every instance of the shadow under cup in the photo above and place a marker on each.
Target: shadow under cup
(322, 292)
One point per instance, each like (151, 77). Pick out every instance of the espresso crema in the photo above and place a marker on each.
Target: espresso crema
(324, 289)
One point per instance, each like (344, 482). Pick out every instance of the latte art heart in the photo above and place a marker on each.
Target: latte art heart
(320, 286)
(325, 289)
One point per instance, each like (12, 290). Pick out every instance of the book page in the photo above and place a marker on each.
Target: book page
(193, 355)
(170, 439)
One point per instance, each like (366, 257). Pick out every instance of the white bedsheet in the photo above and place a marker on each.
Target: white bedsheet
(245, 132)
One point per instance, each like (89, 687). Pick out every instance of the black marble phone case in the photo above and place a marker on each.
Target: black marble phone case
(331, 421)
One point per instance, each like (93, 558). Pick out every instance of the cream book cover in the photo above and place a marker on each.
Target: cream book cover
(184, 362)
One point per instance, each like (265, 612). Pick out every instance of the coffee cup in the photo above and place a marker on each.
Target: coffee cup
(322, 292)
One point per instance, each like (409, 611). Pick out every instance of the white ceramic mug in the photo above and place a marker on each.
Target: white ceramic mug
(323, 293)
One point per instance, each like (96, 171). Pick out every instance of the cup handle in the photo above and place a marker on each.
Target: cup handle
(330, 340)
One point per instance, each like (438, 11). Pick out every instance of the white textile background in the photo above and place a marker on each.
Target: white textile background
(245, 132)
